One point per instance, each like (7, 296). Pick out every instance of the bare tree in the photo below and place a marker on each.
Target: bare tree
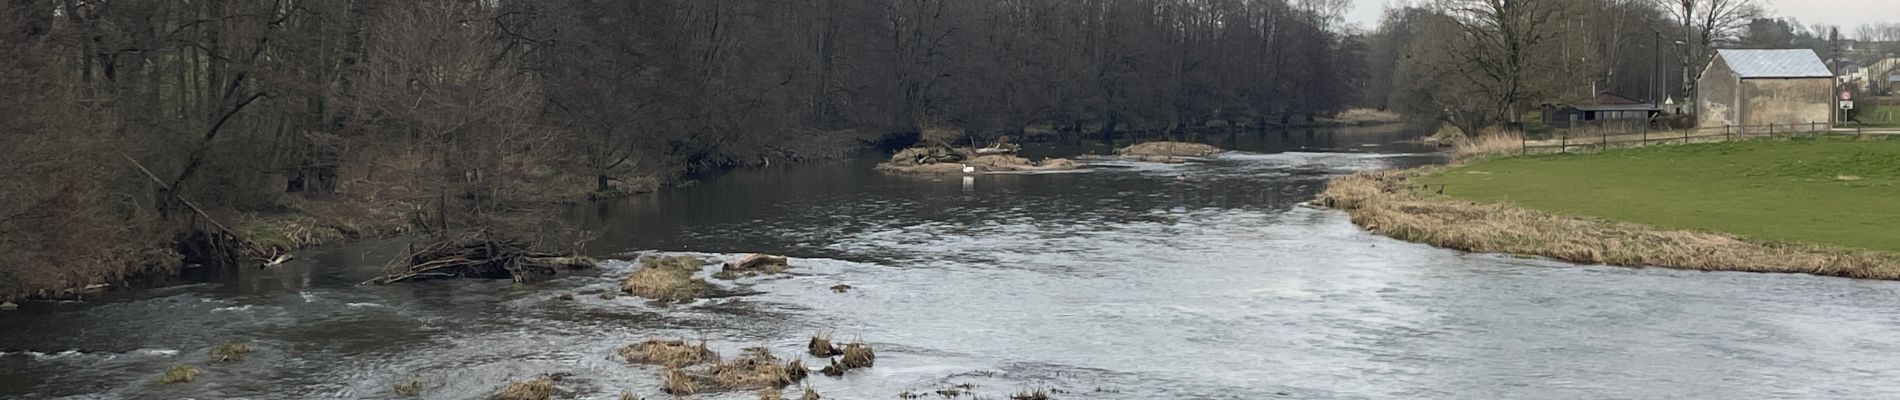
(1705, 23)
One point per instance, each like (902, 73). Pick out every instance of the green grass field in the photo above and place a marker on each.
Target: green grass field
(1832, 191)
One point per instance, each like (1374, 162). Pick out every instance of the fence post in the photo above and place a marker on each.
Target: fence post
(1603, 139)
(1563, 142)
(1685, 136)
(1524, 143)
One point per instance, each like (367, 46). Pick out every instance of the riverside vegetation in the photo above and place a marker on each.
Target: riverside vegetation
(146, 136)
(1814, 206)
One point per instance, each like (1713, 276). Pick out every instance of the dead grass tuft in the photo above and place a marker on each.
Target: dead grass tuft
(771, 394)
(628, 395)
(179, 374)
(230, 352)
(1492, 142)
(1035, 394)
(859, 355)
(539, 388)
(1386, 202)
(757, 369)
(681, 263)
(820, 346)
(678, 383)
(409, 388)
(810, 394)
(1169, 149)
(797, 370)
(664, 283)
(670, 353)
(1847, 178)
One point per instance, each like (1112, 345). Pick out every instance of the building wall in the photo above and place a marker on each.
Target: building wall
(1787, 101)
(1715, 96)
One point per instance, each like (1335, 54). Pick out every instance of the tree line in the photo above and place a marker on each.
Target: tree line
(133, 123)
(1481, 64)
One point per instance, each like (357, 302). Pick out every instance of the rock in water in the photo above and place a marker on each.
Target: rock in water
(9, 306)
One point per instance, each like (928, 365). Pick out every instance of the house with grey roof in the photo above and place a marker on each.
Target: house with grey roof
(1760, 88)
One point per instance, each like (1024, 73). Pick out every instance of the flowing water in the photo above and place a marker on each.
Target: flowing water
(1135, 281)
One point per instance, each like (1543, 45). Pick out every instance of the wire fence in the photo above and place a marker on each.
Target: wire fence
(1581, 139)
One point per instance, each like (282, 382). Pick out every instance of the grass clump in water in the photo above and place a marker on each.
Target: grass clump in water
(1035, 394)
(810, 394)
(539, 388)
(858, 355)
(179, 374)
(670, 353)
(409, 388)
(230, 352)
(664, 284)
(678, 383)
(758, 369)
(820, 346)
(770, 394)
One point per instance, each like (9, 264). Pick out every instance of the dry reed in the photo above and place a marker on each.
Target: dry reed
(664, 283)
(179, 374)
(1034, 394)
(678, 383)
(1386, 202)
(229, 352)
(820, 346)
(810, 394)
(758, 369)
(671, 353)
(859, 355)
(539, 388)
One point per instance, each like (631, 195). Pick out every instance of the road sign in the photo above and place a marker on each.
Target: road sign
(1847, 104)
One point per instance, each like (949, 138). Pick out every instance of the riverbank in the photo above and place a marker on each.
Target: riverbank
(1815, 206)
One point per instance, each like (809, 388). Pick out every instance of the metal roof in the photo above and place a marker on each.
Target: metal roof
(1797, 63)
(1618, 107)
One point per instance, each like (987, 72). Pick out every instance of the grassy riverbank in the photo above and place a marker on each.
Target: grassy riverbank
(1820, 206)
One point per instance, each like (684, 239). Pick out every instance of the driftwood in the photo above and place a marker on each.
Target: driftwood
(471, 258)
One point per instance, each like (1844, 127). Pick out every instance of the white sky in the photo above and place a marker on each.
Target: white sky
(1845, 13)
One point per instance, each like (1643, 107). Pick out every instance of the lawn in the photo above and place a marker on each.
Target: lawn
(1833, 191)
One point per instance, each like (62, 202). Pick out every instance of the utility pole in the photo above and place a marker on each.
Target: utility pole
(1655, 73)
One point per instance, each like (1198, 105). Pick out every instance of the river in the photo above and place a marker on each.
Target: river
(1135, 281)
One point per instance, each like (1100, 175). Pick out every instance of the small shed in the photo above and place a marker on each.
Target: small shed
(1755, 88)
(1606, 109)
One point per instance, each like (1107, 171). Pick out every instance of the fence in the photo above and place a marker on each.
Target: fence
(1596, 138)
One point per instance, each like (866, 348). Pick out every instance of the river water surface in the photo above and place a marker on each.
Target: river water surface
(1136, 281)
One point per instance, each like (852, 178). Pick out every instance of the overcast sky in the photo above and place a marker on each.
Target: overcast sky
(1845, 13)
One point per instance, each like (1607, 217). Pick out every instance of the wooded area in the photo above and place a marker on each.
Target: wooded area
(140, 130)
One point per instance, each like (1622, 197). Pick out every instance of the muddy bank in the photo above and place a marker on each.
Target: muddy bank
(1393, 203)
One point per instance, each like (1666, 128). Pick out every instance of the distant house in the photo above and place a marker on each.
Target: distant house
(1606, 109)
(1756, 88)
(1881, 74)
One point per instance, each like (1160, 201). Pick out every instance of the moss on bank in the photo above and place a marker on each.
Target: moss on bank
(1393, 203)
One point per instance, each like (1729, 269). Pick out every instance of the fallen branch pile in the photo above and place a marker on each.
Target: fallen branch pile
(485, 259)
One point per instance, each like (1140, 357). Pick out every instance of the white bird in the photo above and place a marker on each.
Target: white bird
(968, 169)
